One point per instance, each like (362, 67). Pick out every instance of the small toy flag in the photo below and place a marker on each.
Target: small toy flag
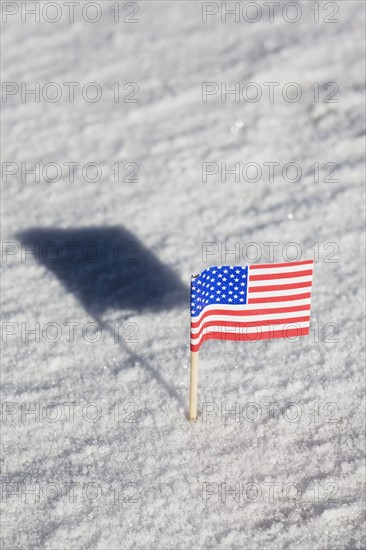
(250, 303)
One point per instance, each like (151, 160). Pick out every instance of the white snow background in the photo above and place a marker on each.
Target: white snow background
(137, 476)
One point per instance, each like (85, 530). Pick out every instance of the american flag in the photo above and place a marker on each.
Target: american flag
(256, 302)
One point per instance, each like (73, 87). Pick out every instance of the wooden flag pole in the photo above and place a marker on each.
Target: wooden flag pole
(193, 386)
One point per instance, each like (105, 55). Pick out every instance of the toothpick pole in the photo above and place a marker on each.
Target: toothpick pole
(193, 386)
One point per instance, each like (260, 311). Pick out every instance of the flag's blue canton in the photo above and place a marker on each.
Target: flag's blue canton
(224, 284)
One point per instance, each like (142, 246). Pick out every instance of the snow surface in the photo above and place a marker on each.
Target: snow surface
(160, 458)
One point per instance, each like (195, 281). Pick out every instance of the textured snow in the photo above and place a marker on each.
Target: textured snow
(162, 459)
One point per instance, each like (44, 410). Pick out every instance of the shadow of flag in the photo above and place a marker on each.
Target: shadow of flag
(106, 268)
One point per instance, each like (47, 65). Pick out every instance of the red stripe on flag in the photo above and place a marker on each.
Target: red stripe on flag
(270, 299)
(280, 275)
(284, 265)
(273, 288)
